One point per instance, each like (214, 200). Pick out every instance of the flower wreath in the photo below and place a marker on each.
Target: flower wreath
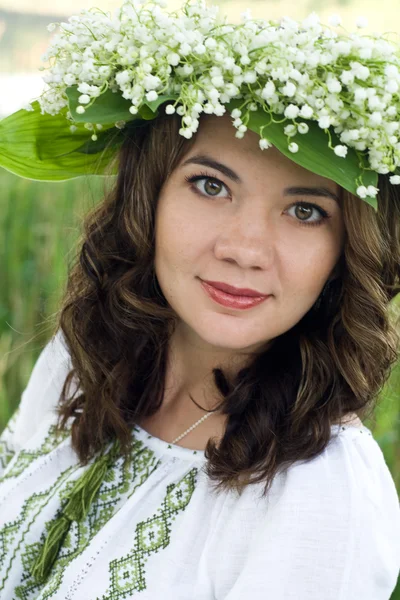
(328, 101)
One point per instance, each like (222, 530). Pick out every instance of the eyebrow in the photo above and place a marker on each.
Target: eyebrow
(207, 161)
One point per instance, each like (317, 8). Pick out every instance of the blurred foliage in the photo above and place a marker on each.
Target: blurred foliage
(40, 224)
(23, 40)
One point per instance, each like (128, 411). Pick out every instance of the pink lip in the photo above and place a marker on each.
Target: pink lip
(230, 289)
(231, 301)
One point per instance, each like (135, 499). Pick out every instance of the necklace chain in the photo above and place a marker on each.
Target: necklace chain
(209, 412)
(190, 428)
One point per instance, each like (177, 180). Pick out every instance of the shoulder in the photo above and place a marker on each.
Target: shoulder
(344, 500)
(331, 523)
(350, 474)
(40, 397)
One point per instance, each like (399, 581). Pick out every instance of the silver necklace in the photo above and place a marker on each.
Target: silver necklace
(195, 424)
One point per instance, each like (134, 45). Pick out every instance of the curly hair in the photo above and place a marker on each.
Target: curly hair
(117, 323)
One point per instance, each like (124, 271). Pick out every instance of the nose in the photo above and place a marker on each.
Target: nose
(247, 237)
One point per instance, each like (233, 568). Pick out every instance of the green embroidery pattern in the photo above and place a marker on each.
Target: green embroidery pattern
(26, 457)
(127, 574)
(30, 510)
(112, 492)
(6, 452)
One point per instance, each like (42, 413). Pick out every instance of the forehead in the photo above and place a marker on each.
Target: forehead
(216, 136)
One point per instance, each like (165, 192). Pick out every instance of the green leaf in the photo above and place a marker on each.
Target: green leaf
(111, 107)
(42, 147)
(107, 108)
(314, 153)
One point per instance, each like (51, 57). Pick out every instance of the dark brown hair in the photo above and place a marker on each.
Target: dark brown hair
(117, 323)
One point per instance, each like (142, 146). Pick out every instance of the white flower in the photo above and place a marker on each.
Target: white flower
(334, 85)
(246, 15)
(236, 113)
(269, 90)
(361, 22)
(264, 144)
(306, 111)
(324, 122)
(362, 191)
(84, 87)
(69, 79)
(303, 128)
(290, 130)
(291, 111)
(295, 73)
(343, 47)
(142, 53)
(360, 94)
(375, 118)
(173, 59)
(372, 191)
(335, 20)
(150, 96)
(391, 71)
(395, 179)
(347, 77)
(311, 21)
(341, 151)
(348, 136)
(392, 87)
(84, 99)
(123, 77)
(360, 71)
(105, 71)
(289, 89)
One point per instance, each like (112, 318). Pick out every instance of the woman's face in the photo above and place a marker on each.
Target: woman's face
(245, 231)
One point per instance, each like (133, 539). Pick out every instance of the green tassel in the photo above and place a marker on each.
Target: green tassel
(85, 490)
(49, 552)
(79, 503)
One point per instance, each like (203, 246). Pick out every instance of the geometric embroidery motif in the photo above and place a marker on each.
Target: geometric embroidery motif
(15, 532)
(121, 480)
(6, 453)
(26, 457)
(127, 574)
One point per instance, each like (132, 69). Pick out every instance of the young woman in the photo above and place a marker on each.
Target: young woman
(194, 427)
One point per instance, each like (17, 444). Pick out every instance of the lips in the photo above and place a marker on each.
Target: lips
(230, 300)
(225, 287)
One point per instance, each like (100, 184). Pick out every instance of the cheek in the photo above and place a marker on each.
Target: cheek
(305, 265)
(179, 238)
(179, 227)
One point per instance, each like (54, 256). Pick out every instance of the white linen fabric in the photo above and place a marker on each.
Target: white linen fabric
(329, 528)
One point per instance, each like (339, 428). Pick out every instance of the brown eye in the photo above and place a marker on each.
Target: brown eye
(303, 212)
(211, 186)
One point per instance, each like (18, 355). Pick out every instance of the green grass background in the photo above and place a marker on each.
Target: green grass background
(40, 224)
